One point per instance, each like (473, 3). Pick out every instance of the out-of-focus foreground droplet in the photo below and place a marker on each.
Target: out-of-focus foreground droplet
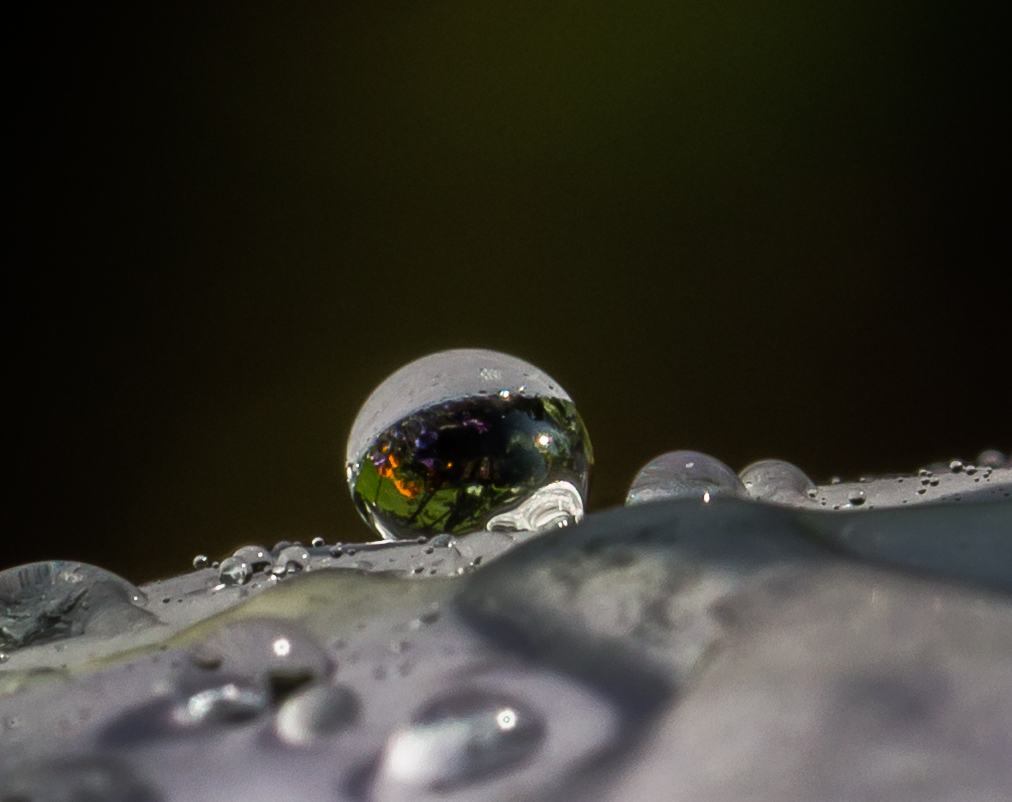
(456, 742)
(684, 474)
(453, 440)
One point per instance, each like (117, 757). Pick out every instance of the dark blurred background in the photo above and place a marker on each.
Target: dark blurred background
(749, 229)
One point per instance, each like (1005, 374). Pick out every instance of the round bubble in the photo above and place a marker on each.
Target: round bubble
(777, 482)
(684, 474)
(454, 439)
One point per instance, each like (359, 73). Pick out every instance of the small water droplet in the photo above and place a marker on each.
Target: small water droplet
(856, 498)
(778, 482)
(956, 465)
(451, 454)
(991, 458)
(293, 559)
(234, 571)
(684, 474)
(200, 561)
(318, 543)
(258, 558)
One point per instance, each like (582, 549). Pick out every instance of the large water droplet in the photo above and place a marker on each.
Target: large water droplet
(454, 439)
(777, 482)
(46, 601)
(684, 474)
(454, 742)
(318, 712)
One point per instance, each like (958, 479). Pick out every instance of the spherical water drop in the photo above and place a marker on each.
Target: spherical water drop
(200, 561)
(956, 465)
(856, 498)
(318, 542)
(234, 571)
(684, 474)
(778, 482)
(466, 738)
(448, 442)
(320, 711)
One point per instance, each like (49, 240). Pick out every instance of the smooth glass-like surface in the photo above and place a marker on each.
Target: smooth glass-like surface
(484, 443)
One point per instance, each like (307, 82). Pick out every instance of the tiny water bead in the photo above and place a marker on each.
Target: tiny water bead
(684, 474)
(452, 441)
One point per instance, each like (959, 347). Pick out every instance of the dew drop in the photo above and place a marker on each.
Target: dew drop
(956, 465)
(441, 447)
(467, 738)
(684, 474)
(856, 498)
(778, 482)
(318, 543)
(200, 561)
(234, 571)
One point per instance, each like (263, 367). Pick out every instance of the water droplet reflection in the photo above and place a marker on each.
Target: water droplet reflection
(449, 442)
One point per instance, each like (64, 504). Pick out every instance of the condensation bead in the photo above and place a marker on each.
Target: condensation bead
(453, 440)
(461, 740)
(46, 601)
(684, 474)
(777, 482)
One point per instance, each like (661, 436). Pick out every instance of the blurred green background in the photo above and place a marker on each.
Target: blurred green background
(749, 229)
